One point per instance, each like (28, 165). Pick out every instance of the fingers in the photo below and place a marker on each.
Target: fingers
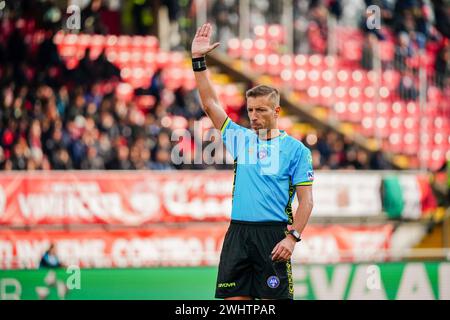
(275, 252)
(281, 254)
(208, 30)
(215, 45)
(286, 255)
(204, 32)
(275, 249)
(276, 256)
(199, 32)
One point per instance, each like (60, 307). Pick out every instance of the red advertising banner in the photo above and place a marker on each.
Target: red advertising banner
(344, 243)
(194, 244)
(98, 248)
(134, 198)
(130, 198)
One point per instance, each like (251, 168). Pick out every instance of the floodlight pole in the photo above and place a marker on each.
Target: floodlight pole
(422, 106)
(288, 19)
(378, 80)
(201, 12)
(244, 19)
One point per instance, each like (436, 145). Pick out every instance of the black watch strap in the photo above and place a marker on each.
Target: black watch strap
(199, 64)
(296, 235)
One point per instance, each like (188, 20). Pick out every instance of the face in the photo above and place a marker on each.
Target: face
(262, 113)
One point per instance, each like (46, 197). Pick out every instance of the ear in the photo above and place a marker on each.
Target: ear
(277, 111)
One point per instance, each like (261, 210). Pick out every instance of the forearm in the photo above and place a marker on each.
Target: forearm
(206, 90)
(302, 215)
(209, 100)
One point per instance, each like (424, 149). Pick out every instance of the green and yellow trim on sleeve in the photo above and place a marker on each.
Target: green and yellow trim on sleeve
(225, 124)
(306, 183)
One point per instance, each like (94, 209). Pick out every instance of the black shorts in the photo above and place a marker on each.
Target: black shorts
(246, 268)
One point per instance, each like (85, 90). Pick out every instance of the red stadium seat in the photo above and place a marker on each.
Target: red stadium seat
(151, 43)
(124, 92)
(234, 48)
(386, 50)
(259, 62)
(368, 126)
(391, 79)
(248, 49)
(274, 65)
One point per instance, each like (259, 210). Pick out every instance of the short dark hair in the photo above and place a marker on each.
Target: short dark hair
(262, 91)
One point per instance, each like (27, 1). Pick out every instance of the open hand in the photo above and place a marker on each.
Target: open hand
(201, 43)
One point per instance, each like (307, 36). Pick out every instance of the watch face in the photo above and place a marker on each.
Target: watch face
(295, 234)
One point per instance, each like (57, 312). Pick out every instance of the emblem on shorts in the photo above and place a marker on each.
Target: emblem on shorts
(273, 282)
(310, 175)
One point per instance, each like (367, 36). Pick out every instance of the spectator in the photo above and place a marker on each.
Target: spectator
(163, 161)
(92, 161)
(442, 14)
(442, 65)
(62, 161)
(221, 11)
(91, 18)
(407, 89)
(121, 160)
(318, 29)
(50, 259)
(368, 51)
(403, 51)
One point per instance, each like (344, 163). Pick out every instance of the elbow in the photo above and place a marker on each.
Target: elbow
(306, 205)
(208, 104)
(311, 204)
(206, 107)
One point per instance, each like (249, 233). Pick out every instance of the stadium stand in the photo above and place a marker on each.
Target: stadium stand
(90, 118)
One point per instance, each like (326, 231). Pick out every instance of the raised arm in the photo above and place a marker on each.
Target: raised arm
(210, 102)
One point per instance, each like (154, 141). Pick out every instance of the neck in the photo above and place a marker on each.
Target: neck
(267, 134)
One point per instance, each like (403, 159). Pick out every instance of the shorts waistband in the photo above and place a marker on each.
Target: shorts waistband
(260, 223)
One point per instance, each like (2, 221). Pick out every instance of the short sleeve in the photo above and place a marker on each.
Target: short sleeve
(234, 136)
(302, 170)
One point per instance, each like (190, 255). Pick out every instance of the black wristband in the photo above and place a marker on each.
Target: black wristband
(199, 64)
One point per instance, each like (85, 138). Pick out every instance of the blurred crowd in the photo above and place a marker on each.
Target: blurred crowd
(55, 118)
(420, 30)
(334, 152)
(411, 25)
(61, 119)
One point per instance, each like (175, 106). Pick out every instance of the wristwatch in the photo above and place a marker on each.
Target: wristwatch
(296, 235)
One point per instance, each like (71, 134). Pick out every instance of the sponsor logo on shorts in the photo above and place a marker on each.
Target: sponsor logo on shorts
(226, 285)
(273, 282)
(310, 175)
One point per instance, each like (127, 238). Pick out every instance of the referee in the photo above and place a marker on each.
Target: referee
(270, 167)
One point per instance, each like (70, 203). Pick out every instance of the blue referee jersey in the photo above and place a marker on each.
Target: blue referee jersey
(266, 173)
